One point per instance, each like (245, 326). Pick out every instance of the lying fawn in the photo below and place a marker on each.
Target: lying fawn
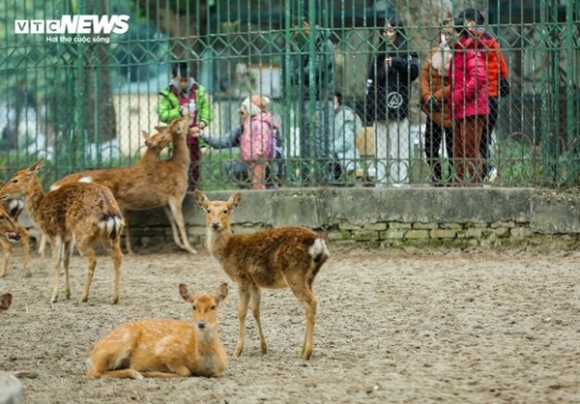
(5, 301)
(85, 214)
(155, 144)
(14, 232)
(165, 348)
(274, 259)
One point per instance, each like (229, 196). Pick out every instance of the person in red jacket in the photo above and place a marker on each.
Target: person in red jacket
(497, 69)
(467, 101)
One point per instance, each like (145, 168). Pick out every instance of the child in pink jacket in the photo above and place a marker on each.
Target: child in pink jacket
(467, 101)
(257, 140)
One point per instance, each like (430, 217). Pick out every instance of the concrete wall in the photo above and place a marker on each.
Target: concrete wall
(437, 217)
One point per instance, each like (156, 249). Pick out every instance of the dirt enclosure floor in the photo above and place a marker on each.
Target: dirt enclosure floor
(393, 327)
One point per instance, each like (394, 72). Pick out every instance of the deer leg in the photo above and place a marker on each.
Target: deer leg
(127, 217)
(306, 297)
(6, 248)
(121, 374)
(176, 370)
(255, 297)
(242, 312)
(117, 256)
(178, 217)
(41, 243)
(67, 253)
(56, 248)
(91, 264)
(26, 251)
(174, 229)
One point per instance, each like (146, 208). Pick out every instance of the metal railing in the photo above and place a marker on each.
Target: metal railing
(81, 100)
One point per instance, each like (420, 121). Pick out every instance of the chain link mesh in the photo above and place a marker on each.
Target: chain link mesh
(83, 104)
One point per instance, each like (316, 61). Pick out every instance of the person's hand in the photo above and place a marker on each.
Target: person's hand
(389, 62)
(194, 132)
(184, 110)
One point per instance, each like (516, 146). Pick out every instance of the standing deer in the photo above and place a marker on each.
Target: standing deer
(85, 214)
(157, 184)
(5, 301)
(155, 144)
(165, 348)
(14, 231)
(273, 259)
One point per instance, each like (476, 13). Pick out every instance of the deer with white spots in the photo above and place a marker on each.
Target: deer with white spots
(79, 213)
(109, 177)
(164, 347)
(287, 257)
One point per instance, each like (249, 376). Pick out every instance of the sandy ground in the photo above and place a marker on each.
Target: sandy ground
(451, 327)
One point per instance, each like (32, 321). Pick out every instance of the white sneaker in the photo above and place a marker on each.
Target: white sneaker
(491, 175)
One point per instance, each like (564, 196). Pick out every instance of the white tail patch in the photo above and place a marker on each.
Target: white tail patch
(319, 248)
(111, 224)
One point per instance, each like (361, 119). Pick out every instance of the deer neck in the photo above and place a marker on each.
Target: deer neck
(33, 199)
(217, 241)
(150, 155)
(208, 345)
(180, 154)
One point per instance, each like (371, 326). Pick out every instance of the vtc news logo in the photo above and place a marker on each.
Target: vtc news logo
(77, 24)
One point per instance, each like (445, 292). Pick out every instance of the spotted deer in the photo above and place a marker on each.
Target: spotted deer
(86, 214)
(287, 257)
(14, 232)
(163, 347)
(155, 144)
(158, 184)
(5, 302)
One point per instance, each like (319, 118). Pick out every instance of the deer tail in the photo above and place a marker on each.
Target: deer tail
(112, 224)
(319, 250)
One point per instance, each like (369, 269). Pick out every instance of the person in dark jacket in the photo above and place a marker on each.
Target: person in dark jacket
(393, 70)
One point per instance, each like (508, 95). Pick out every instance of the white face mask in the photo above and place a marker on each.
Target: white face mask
(443, 40)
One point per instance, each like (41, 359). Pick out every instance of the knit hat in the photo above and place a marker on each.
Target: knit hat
(251, 108)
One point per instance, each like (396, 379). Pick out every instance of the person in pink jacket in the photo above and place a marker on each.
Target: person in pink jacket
(467, 101)
(257, 140)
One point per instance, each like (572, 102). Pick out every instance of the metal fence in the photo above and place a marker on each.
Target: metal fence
(82, 99)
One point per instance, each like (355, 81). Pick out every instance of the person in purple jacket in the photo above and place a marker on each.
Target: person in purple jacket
(467, 102)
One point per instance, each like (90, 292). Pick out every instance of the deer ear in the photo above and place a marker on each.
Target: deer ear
(188, 297)
(222, 292)
(161, 128)
(144, 134)
(234, 200)
(201, 199)
(35, 168)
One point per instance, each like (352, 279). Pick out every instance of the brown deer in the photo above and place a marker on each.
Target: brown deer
(165, 348)
(273, 259)
(14, 231)
(5, 302)
(155, 144)
(85, 214)
(158, 184)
